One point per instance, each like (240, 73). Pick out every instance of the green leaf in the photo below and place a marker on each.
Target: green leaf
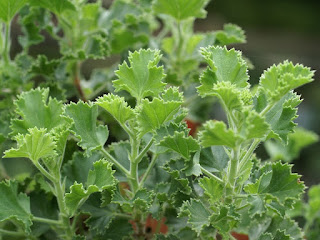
(198, 215)
(297, 140)
(214, 159)
(9, 8)
(281, 116)
(180, 144)
(142, 78)
(99, 179)
(225, 220)
(277, 180)
(117, 107)
(142, 200)
(180, 9)
(193, 167)
(35, 145)
(14, 206)
(77, 169)
(230, 34)
(118, 229)
(56, 6)
(212, 188)
(37, 111)
(100, 217)
(255, 125)
(216, 133)
(278, 80)
(42, 66)
(225, 66)
(153, 114)
(85, 127)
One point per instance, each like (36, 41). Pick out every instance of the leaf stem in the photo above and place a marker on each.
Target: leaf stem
(44, 172)
(46, 220)
(134, 164)
(76, 80)
(145, 150)
(11, 233)
(59, 190)
(115, 162)
(146, 174)
(209, 174)
(6, 48)
(249, 152)
(233, 172)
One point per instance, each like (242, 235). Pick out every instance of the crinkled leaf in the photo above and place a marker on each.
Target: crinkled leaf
(180, 144)
(277, 180)
(313, 207)
(255, 125)
(118, 229)
(193, 167)
(181, 9)
(37, 111)
(278, 80)
(225, 220)
(153, 114)
(198, 215)
(214, 159)
(9, 8)
(117, 107)
(14, 206)
(99, 179)
(78, 168)
(216, 133)
(230, 34)
(143, 77)
(281, 116)
(85, 127)
(56, 6)
(141, 200)
(212, 188)
(35, 145)
(100, 217)
(224, 66)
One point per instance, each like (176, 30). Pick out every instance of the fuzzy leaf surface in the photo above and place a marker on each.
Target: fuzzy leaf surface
(224, 66)
(56, 6)
(180, 9)
(117, 107)
(35, 145)
(14, 206)
(216, 133)
(9, 8)
(142, 77)
(85, 127)
(99, 179)
(36, 110)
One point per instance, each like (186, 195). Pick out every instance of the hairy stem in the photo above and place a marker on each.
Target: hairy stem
(76, 80)
(6, 47)
(209, 174)
(115, 162)
(11, 233)
(46, 220)
(233, 171)
(135, 143)
(59, 190)
(146, 174)
(144, 151)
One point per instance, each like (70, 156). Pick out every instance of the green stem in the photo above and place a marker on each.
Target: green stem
(145, 150)
(46, 220)
(134, 164)
(233, 172)
(249, 152)
(11, 233)
(44, 172)
(146, 174)
(209, 174)
(6, 48)
(59, 190)
(115, 162)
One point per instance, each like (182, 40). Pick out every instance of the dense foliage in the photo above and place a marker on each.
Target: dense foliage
(109, 155)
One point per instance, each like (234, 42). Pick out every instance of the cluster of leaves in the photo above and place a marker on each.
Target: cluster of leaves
(106, 168)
